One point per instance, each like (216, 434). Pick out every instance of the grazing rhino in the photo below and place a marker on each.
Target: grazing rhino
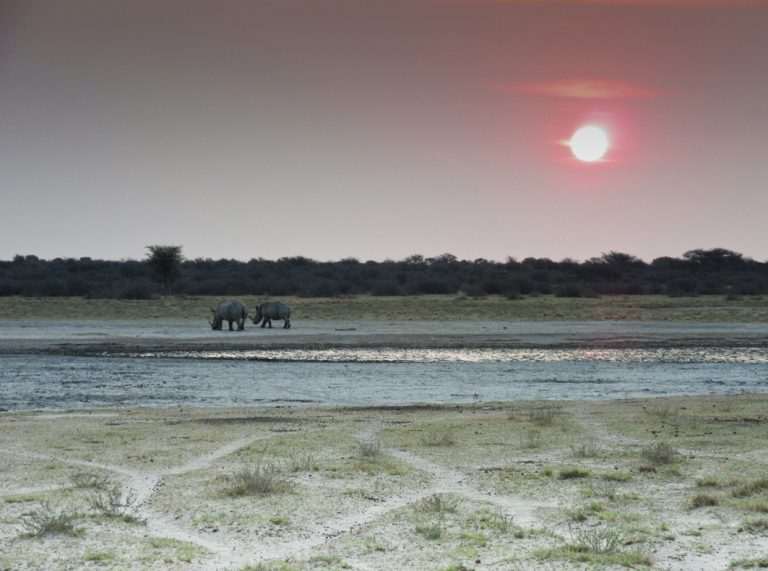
(270, 310)
(231, 311)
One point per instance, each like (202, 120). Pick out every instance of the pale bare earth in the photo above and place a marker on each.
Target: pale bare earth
(520, 485)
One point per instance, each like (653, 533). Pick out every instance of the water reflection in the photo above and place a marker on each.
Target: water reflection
(747, 355)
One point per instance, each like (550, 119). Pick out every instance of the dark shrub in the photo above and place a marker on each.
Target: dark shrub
(386, 288)
(139, 289)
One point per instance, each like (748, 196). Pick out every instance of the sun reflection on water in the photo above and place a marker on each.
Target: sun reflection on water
(757, 355)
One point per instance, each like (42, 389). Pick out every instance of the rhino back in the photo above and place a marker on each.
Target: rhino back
(231, 309)
(275, 310)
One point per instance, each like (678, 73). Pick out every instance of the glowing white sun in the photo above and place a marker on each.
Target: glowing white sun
(589, 143)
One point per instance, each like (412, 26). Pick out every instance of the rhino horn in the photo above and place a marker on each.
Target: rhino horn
(213, 310)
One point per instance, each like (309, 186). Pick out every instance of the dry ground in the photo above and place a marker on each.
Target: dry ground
(678, 483)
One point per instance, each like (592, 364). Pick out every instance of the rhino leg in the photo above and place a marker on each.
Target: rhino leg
(287, 324)
(263, 322)
(270, 323)
(230, 325)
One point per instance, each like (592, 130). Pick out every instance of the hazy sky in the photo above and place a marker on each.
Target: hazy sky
(382, 128)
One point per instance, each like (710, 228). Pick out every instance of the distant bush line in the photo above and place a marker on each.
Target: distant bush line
(697, 272)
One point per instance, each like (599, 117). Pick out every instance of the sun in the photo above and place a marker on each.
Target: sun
(589, 143)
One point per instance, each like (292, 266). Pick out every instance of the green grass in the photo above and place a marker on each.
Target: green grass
(422, 307)
(98, 556)
(172, 550)
(430, 531)
(761, 563)
(573, 473)
(750, 488)
(439, 504)
(23, 498)
(704, 500)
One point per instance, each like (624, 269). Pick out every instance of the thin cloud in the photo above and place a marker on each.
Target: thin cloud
(582, 89)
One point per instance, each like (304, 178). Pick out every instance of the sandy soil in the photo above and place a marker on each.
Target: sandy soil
(522, 485)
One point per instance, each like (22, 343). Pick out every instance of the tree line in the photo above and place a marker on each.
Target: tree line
(697, 272)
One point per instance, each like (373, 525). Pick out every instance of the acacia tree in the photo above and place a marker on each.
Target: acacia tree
(165, 262)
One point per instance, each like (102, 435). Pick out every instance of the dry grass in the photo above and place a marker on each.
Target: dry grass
(422, 307)
(47, 520)
(259, 480)
(660, 453)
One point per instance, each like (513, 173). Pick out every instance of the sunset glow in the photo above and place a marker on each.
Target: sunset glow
(589, 143)
(351, 122)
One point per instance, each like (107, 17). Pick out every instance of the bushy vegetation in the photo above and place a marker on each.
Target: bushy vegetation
(47, 520)
(260, 480)
(697, 272)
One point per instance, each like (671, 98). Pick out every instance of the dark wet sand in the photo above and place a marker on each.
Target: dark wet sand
(119, 338)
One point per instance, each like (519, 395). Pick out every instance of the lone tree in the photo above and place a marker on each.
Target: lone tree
(165, 261)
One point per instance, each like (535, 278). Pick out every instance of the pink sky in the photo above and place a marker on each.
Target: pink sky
(382, 128)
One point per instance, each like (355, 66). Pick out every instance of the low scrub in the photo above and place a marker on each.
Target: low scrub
(599, 546)
(369, 449)
(573, 473)
(439, 504)
(660, 453)
(750, 488)
(431, 531)
(439, 439)
(259, 480)
(531, 439)
(89, 481)
(704, 500)
(110, 502)
(755, 526)
(302, 461)
(585, 448)
(47, 521)
(543, 415)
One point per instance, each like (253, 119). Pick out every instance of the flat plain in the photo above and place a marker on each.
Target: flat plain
(670, 483)
(675, 483)
(746, 309)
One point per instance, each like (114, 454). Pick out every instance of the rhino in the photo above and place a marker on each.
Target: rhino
(270, 310)
(231, 311)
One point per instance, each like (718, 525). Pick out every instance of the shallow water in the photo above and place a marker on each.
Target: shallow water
(754, 355)
(533, 360)
(386, 377)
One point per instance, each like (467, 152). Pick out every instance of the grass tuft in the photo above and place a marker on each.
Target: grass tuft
(48, 521)
(660, 453)
(369, 449)
(302, 461)
(704, 500)
(573, 473)
(439, 439)
(84, 480)
(542, 415)
(531, 439)
(750, 488)
(109, 502)
(585, 449)
(261, 480)
(708, 482)
(439, 504)
(431, 531)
